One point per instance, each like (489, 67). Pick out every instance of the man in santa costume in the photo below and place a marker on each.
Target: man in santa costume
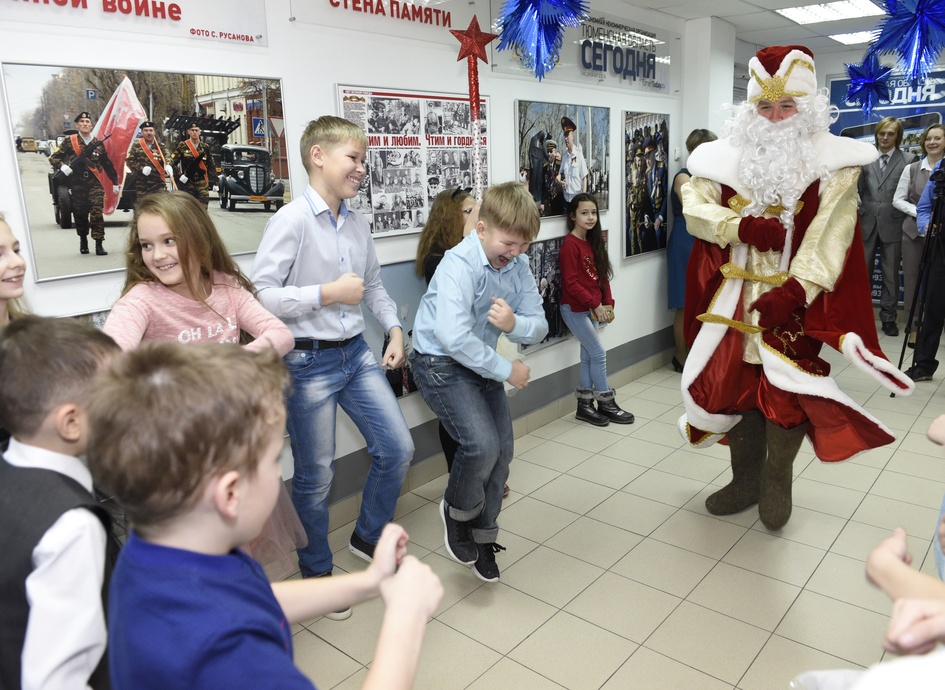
(777, 271)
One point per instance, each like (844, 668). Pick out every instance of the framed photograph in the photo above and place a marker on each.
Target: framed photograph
(242, 111)
(419, 143)
(543, 260)
(563, 150)
(646, 146)
(406, 288)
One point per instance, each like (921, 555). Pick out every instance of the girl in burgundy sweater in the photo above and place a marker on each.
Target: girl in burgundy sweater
(585, 298)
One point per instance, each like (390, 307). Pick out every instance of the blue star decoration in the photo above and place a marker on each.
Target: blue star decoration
(915, 31)
(868, 84)
(535, 29)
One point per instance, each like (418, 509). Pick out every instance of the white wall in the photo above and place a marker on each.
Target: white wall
(311, 61)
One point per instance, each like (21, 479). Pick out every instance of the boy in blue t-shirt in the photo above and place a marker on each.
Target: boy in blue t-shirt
(481, 289)
(188, 441)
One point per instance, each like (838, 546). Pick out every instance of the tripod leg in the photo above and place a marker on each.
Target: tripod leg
(932, 316)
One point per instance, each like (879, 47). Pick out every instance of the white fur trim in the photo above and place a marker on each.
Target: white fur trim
(705, 345)
(795, 380)
(880, 369)
(709, 440)
(720, 160)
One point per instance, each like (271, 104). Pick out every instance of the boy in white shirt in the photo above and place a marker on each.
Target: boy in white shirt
(55, 534)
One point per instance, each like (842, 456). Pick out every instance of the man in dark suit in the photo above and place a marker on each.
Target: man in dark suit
(882, 224)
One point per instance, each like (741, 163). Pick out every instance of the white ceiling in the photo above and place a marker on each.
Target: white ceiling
(756, 21)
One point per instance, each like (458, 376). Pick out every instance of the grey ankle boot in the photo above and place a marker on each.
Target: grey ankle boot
(586, 411)
(607, 406)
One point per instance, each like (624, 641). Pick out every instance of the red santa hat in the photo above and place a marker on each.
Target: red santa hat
(781, 72)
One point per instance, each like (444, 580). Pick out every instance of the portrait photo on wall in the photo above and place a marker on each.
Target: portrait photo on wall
(646, 146)
(419, 144)
(563, 150)
(543, 260)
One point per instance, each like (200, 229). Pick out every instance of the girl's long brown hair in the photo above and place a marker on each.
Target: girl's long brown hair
(444, 228)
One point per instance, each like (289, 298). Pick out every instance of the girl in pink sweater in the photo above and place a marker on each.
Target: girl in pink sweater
(585, 302)
(181, 284)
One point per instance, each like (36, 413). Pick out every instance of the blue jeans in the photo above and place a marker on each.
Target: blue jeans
(322, 380)
(475, 412)
(593, 354)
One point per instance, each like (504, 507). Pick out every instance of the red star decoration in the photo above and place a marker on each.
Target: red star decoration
(474, 41)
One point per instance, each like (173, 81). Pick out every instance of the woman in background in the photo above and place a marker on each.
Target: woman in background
(678, 249)
(908, 192)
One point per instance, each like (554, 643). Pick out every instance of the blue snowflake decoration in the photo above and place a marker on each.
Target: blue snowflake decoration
(868, 84)
(535, 28)
(915, 31)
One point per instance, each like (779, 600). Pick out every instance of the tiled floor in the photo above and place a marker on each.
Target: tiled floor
(616, 577)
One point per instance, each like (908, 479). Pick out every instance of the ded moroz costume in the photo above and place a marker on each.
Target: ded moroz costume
(776, 272)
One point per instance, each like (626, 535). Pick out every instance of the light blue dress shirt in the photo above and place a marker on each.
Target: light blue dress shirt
(304, 247)
(452, 318)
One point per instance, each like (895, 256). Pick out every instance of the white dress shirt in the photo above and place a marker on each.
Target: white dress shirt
(902, 189)
(304, 247)
(66, 633)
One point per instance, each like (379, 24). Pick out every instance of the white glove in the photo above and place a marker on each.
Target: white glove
(183, 179)
(65, 170)
(116, 189)
(169, 170)
(146, 170)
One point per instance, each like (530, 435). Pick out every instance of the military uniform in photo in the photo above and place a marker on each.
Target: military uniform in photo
(85, 177)
(200, 175)
(149, 168)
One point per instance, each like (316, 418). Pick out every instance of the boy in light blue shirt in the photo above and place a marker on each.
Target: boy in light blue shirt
(481, 289)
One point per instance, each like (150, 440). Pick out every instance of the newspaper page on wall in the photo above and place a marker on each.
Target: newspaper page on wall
(419, 144)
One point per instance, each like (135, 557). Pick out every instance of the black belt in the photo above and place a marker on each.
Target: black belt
(310, 344)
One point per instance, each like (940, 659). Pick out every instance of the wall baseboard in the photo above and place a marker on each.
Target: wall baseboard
(429, 463)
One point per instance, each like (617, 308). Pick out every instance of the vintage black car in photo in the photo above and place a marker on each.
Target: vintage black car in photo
(246, 177)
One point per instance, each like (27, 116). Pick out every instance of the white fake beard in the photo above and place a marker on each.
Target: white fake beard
(778, 160)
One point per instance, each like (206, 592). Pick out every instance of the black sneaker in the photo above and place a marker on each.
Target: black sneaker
(341, 615)
(458, 537)
(917, 374)
(360, 548)
(485, 566)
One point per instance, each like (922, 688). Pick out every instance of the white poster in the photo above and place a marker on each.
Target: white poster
(243, 23)
(419, 144)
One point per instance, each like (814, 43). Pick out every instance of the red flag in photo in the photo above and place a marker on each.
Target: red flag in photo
(120, 119)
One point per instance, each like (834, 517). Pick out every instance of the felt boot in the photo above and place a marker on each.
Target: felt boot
(777, 475)
(100, 248)
(746, 442)
(607, 406)
(586, 411)
(83, 244)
